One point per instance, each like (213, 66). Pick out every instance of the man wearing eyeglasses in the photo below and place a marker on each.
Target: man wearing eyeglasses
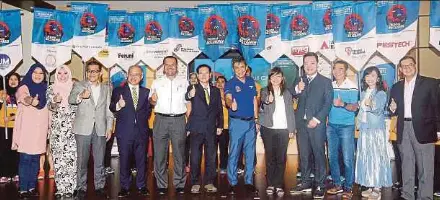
(92, 127)
(168, 96)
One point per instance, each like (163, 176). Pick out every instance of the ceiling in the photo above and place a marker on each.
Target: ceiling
(160, 5)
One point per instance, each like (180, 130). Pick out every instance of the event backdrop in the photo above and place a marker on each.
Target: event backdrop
(10, 40)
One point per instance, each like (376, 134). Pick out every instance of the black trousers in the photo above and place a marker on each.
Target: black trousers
(275, 146)
(222, 143)
(187, 150)
(437, 169)
(8, 158)
(198, 141)
(108, 151)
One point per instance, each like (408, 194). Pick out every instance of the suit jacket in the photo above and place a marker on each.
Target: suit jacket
(315, 100)
(128, 118)
(266, 110)
(205, 118)
(87, 114)
(424, 109)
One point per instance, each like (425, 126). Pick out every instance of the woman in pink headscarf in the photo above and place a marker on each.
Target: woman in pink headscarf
(61, 138)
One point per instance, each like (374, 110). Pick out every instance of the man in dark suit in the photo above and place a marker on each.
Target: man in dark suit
(205, 121)
(415, 101)
(315, 94)
(131, 106)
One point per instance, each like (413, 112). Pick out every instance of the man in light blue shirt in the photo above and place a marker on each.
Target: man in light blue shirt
(341, 127)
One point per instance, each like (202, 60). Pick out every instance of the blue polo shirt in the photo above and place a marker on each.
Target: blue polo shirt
(244, 94)
(349, 93)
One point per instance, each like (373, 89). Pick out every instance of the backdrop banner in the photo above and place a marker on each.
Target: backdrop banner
(52, 34)
(434, 25)
(396, 23)
(354, 32)
(11, 50)
(322, 36)
(90, 24)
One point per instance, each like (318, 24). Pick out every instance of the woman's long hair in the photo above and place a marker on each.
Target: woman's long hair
(379, 83)
(276, 71)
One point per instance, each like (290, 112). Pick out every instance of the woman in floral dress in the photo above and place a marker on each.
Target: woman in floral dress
(62, 139)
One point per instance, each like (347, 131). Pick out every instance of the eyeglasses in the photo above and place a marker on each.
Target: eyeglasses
(407, 66)
(93, 71)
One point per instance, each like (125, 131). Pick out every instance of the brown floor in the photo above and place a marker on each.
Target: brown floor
(47, 186)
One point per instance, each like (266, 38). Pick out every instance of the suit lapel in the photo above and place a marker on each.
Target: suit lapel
(102, 94)
(127, 93)
(140, 100)
(89, 87)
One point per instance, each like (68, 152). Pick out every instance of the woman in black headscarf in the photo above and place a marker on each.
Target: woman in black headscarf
(8, 157)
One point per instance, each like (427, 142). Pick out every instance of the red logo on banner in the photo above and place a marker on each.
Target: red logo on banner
(126, 32)
(88, 23)
(327, 20)
(53, 31)
(186, 26)
(215, 30)
(272, 24)
(353, 25)
(396, 17)
(5, 33)
(299, 25)
(394, 44)
(153, 31)
(249, 30)
(299, 50)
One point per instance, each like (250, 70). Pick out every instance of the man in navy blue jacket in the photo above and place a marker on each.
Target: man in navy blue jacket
(132, 108)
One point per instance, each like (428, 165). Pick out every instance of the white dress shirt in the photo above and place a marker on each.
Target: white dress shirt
(279, 115)
(407, 96)
(170, 95)
(96, 92)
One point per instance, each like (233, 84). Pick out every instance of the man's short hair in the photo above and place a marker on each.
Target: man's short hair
(239, 59)
(163, 61)
(345, 64)
(308, 54)
(134, 66)
(407, 58)
(203, 65)
(94, 62)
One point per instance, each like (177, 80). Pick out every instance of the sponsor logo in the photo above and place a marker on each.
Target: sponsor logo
(396, 17)
(237, 88)
(88, 23)
(5, 33)
(53, 31)
(299, 50)
(299, 25)
(5, 61)
(50, 60)
(126, 33)
(186, 26)
(354, 52)
(153, 31)
(103, 53)
(126, 56)
(215, 30)
(394, 44)
(179, 47)
(327, 20)
(328, 45)
(353, 25)
(272, 24)
(248, 30)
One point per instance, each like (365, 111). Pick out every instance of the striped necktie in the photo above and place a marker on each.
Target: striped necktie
(206, 95)
(134, 95)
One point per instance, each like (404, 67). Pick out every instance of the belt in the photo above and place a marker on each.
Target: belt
(170, 115)
(242, 118)
(407, 119)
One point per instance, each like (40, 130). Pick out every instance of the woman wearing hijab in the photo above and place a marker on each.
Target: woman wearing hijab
(8, 157)
(61, 138)
(31, 127)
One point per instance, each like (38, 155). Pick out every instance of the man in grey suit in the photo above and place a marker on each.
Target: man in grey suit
(92, 126)
(315, 93)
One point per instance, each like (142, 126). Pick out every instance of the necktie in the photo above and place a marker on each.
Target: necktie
(309, 79)
(206, 95)
(134, 95)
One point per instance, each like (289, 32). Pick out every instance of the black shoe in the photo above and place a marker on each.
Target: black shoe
(162, 191)
(143, 191)
(233, 190)
(101, 193)
(123, 193)
(58, 195)
(319, 193)
(33, 193)
(250, 188)
(180, 190)
(300, 188)
(23, 194)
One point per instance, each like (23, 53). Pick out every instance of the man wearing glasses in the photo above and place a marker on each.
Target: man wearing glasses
(168, 96)
(92, 127)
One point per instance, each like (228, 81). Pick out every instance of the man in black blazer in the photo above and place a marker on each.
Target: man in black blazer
(204, 123)
(415, 101)
(315, 93)
(132, 108)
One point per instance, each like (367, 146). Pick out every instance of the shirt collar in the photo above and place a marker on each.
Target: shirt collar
(133, 86)
(412, 81)
(312, 76)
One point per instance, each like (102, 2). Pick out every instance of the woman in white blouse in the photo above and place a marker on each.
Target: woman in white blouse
(277, 121)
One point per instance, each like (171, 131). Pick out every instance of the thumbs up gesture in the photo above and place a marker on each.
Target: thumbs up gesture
(338, 102)
(270, 98)
(154, 96)
(368, 101)
(192, 92)
(85, 94)
(121, 101)
(58, 98)
(301, 84)
(234, 105)
(393, 105)
(35, 100)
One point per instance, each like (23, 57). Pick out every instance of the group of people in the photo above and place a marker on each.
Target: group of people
(78, 117)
